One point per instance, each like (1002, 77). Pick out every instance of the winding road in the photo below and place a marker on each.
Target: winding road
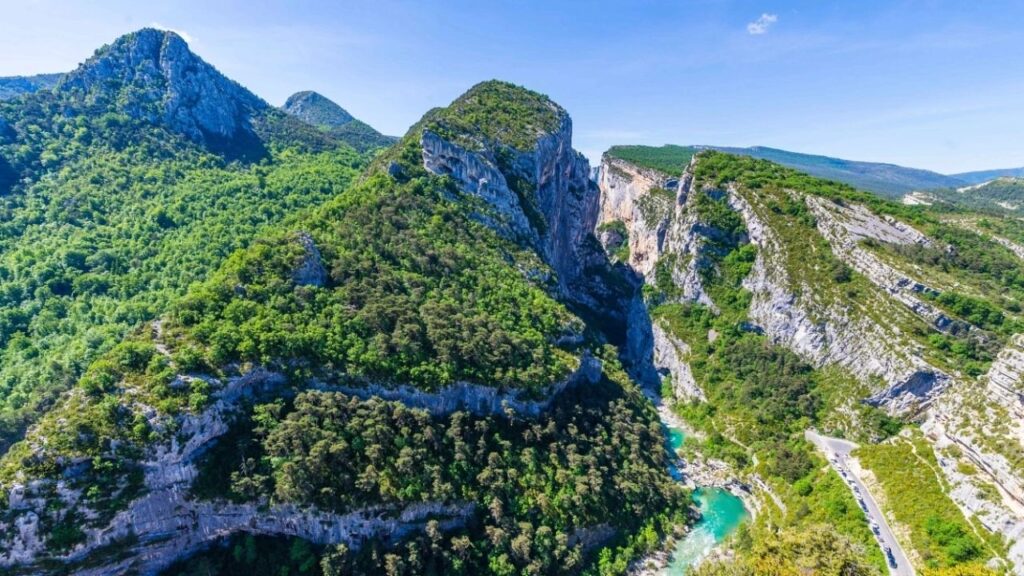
(837, 452)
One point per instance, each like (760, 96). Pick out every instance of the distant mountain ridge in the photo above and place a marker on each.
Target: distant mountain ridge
(152, 76)
(14, 86)
(980, 176)
(317, 109)
(320, 111)
(888, 180)
(885, 179)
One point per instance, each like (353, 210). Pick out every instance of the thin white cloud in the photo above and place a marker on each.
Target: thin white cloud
(184, 35)
(762, 24)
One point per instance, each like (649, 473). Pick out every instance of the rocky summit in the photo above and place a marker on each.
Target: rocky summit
(238, 339)
(152, 75)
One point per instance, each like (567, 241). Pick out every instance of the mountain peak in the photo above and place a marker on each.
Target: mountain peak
(316, 109)
(152, 75)
(502, 112)
(320, 111)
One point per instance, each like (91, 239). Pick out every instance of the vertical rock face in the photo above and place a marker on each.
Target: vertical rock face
(566, 197)
(655, 211)
(478, 175)
(669, 354)
(158, 79)
(542, 196)
(622, 186)
(687, 239)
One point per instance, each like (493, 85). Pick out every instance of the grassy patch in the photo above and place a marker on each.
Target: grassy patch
(907, 470)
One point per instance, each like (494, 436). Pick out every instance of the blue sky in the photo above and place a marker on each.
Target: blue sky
(931, 84)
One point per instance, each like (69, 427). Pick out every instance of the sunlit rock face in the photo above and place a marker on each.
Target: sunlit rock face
(159, 80)
(542, 196)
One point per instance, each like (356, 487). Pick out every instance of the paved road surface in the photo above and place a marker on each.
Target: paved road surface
(838, 453)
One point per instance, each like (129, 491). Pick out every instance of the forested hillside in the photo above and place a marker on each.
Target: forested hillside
(510, 421)
(109, 217)
(1000, 196)
(237, 339)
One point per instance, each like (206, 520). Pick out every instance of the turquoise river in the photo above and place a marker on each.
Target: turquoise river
(721, 514)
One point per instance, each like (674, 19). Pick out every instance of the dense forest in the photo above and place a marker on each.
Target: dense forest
(110, 221)
(595, 458)
(393, 279)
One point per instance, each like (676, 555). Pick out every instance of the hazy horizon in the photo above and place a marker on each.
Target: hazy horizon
(922, 84)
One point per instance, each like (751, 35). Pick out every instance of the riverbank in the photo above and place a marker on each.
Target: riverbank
(698, 471)
(723, 501)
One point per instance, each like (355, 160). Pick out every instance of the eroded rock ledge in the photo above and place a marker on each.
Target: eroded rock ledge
(474, 398)
(829, 334)
(166, 524)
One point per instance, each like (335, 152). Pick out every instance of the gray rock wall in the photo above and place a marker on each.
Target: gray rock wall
(824, 333)
(171, 85)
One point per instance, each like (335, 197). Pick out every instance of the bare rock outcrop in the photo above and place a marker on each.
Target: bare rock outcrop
(627, 197)
(987, 424)
(669, 358)
(166, 84)
(846, 226)
(478, 175)
(826, 333)
(555, 211)
(310, 270)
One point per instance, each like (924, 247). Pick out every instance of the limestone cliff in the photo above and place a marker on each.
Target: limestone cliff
(542, 195)
(625, 188)
(826, 330)
(662, 230)
(789, 304)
